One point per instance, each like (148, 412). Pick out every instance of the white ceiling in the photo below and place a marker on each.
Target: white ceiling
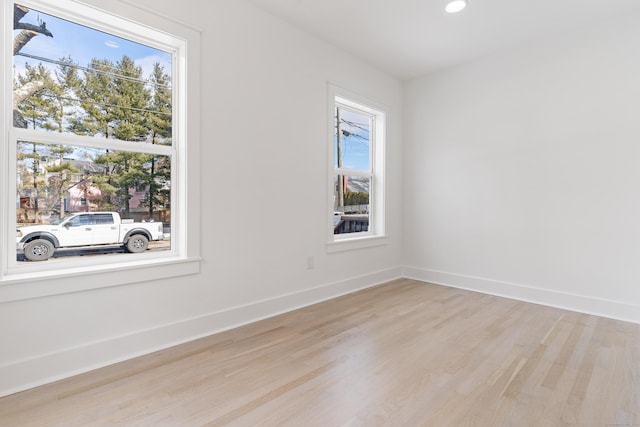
(409, 38)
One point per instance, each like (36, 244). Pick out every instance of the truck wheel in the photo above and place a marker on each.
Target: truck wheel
(137, 243)
(38, 250)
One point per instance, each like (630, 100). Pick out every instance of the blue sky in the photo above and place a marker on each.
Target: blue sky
(83, 44)
(356, 146)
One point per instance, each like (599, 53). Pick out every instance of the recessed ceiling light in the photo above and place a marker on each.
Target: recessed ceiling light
(456, 6)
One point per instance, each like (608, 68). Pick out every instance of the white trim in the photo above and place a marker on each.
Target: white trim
(32, 286)
(6, 123)
(361, 241)
(19, 375)
(352, 172)
(154, 11)
(618, 310)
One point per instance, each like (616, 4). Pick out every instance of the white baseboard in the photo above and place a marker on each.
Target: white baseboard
(618, 310)
(41, 369)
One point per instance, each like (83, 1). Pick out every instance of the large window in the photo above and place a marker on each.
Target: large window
(97, 123)
(357, 130)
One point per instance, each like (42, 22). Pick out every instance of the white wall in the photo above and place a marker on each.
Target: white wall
(520, 179)
(522, 173)
(264, 181)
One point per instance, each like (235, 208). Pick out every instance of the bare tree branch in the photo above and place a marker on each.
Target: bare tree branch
(28, 32)
(18, 120)
(40, 29)
(26, 90)
(19, 95)
(22, 39)
(18, 14)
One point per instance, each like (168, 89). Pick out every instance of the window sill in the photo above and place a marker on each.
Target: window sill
(356, 243)
(18, 287)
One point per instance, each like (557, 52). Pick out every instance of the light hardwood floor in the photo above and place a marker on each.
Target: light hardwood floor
(402, 354)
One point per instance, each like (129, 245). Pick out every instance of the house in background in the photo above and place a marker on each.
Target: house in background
(81, 196)
(80, 193)
(511, 170)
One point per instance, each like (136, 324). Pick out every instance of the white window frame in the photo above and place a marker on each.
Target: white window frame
(376, 231)
(50, 278)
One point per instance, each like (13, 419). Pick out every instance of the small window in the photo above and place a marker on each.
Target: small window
(357, 173)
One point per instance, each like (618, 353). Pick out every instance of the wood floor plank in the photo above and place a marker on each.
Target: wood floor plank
(405, 353)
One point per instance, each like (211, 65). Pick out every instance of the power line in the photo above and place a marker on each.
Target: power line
(92, 70)
(143, 110)
(360, 126)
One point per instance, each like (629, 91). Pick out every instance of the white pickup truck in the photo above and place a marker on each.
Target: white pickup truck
(88, 229)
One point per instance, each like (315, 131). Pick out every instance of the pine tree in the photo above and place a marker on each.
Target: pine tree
(96, 96)
(160, 106)
(160, 116)
(36, 108)
(66, 88)
(131, 98)
(127, 170)
(110, 100)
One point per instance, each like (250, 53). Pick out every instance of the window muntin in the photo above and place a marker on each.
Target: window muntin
(357, 172)
(170, 146)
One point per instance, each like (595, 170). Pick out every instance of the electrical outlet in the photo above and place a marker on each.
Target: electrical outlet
(310, 262)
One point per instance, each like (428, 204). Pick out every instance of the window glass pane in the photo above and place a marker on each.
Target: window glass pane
(55, 181)
(103, 219)
(70, 78)
(80, 221)
(351, 207)
(352, 148)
